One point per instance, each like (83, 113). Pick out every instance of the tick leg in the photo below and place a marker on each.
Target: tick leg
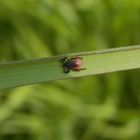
(67, 70)
(64, 60)
(79, 69)
(77, 57)
(83, 68)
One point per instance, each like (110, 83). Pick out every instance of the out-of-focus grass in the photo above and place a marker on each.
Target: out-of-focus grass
(96, 107)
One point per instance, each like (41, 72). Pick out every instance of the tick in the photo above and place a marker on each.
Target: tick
(73, 63)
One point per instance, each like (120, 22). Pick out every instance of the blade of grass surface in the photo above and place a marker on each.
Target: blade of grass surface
(41, 70)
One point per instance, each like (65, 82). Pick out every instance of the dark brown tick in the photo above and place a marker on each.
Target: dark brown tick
(73, 63)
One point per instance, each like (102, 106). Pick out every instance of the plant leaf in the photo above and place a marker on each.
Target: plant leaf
(47, 69)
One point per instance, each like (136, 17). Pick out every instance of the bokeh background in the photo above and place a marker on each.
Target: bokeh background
(102, 107)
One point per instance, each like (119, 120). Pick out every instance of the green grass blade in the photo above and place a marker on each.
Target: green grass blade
(47, 69)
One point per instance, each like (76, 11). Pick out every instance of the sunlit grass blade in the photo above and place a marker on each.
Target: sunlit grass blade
(47, 69)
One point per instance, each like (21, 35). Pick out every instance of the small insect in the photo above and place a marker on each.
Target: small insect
(73, 63)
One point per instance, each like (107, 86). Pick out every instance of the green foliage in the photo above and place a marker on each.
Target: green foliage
(29, 72)
(104, 107)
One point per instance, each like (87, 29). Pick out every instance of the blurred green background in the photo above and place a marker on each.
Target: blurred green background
(102, 107)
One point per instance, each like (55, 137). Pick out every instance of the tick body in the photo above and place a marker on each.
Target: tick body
(73, 63)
